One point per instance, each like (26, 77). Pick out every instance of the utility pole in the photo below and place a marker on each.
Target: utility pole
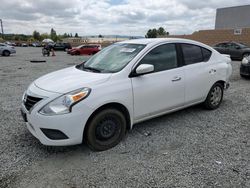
(1, 22)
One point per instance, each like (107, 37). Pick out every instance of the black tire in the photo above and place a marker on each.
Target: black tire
(212, 101)
(105, 130)
(6, 53)
(244, 76)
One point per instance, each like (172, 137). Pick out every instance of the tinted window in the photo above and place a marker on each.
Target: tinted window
(233, 46)
(162, 57)
(192, 54)
(206, 54)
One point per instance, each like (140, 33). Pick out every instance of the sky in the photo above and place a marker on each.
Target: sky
(110, 17)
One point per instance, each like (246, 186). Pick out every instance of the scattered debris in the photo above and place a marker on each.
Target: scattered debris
(165, 153)
(147, 133)
(236, 170)
(218, 162)
(38, 61)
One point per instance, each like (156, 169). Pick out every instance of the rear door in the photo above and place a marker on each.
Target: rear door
(162, 90)
(199, 72)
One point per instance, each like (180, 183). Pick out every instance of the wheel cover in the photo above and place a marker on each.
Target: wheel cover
(246, 55)
(216, 96)
(107, 128)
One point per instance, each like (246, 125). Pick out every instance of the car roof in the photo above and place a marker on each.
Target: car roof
(156, 41)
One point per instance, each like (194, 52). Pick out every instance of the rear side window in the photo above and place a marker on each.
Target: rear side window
(163, 57)
(206, 54)
(192, 54)
(195, 54)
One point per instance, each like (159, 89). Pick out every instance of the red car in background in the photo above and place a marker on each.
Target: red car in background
(89, 49)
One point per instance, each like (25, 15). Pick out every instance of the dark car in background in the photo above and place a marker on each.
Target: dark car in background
(245, 67)
(89, 49)
(234, 49)
(62, 46)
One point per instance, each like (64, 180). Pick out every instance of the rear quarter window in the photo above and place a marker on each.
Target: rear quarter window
(206, 54)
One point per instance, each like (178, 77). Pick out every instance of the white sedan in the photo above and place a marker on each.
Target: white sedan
(125, 83)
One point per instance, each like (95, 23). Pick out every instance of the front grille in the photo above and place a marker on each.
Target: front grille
(30, 101)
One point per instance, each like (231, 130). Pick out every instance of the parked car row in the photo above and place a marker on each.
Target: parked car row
(236, 50)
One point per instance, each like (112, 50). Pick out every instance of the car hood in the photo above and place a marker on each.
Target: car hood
(70, 79)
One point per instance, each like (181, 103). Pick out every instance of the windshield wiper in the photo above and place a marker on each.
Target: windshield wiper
(91, 68)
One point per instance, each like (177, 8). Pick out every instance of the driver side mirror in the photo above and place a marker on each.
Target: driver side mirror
(142, 69)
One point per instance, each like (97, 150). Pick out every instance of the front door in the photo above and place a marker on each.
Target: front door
(162, 90)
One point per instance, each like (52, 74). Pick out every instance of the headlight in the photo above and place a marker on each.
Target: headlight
(64, 103)
(245, 61)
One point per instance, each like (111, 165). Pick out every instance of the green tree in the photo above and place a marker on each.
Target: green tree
(76, 35)
(36, 35)
(100, 36)
(152, 33)
(65, 35)
(53, 35)
(44, 36)
(161, 31)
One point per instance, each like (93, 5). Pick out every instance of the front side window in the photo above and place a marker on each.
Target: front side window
(113, 58)
(163, 57)
(192, 54)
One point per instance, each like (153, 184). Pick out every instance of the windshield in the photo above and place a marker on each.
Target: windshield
(113, 58)
(79, 46)
(242, 45)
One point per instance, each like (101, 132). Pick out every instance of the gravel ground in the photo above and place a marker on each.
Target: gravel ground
(190, 148)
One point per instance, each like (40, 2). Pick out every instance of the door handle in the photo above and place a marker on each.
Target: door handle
(176, 78)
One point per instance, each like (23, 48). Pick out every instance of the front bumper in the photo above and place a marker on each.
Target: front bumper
(71, 125)
(245, 70)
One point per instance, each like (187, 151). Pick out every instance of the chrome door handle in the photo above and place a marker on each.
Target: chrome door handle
(176, 78)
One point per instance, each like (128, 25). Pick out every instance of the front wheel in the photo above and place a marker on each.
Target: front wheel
(6, 53)
(106, 130)
(214, 97)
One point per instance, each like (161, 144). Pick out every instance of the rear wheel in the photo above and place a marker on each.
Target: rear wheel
(6, 53)
(106, 130)
(214, 97)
